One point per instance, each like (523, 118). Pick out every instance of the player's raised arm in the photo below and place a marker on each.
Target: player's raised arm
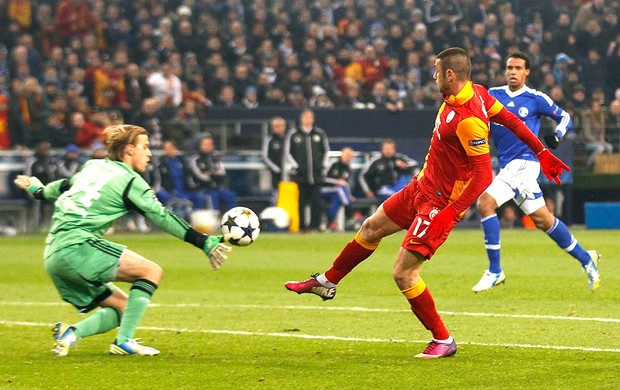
(37, 190)
(550, 165)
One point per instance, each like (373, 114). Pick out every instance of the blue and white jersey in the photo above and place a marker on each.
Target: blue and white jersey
(529, 105)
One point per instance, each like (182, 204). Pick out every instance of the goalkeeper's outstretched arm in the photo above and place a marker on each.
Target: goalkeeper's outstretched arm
(33, 186)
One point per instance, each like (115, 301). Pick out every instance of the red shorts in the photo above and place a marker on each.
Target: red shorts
(411, 209)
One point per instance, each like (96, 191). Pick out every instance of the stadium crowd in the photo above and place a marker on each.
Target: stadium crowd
(70, 68)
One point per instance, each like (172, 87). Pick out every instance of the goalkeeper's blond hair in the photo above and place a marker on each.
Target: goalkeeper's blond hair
(119, 136)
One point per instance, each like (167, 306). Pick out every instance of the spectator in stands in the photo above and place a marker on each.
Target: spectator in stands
(386, 174)
(250, 97)
(226, 98)
(45, 168)
(393, 102)
(578, 98)
(613, 121)
(98, 150)
(136, 89)
(151, 119)
(86, 132)
(5, 74)
(417, 99)
(69, 163)
(58, 131)
(273, 153)
(275, 97)
(593, 123)
(296, 97)
(5, 124)
(32, 110)
(320, 99)
(73, 18)
(209, 176)
(109, 85)
(306, 149)
(241, 80)
(378, 96)
(374, 68)
(166, 88)
(594, 71)
(353, 97)
(185, 125)
(336, 191)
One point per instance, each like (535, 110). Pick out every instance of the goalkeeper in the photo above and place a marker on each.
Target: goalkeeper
(82, 265)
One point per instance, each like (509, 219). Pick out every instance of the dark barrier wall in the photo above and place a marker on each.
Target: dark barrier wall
(411, 129)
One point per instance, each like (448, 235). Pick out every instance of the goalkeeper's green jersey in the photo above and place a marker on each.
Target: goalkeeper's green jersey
(101, 192)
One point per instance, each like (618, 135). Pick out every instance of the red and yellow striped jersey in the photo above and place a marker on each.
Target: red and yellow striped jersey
(461, 131)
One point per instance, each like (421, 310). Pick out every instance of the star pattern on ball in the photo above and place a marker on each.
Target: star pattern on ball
(230, 222)
(247, 231)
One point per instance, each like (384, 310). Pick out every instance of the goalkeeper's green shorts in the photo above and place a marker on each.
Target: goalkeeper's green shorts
(82, 273)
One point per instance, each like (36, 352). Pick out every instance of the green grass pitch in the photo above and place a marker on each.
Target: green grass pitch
(238, 328)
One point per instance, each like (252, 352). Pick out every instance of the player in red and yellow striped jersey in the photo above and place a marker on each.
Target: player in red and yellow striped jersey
(456, 171)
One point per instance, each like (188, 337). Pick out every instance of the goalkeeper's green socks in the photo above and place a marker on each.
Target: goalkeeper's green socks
(100, 321)
(139, 298)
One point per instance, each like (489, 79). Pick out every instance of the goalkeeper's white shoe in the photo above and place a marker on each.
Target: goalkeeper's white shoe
(591, 270)
(131, 347)
(64, 339)
(489, 280)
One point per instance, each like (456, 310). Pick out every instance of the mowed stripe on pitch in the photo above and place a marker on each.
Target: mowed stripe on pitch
(338, 308)
(334, 338)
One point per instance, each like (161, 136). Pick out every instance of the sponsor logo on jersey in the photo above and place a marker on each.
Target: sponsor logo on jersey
(450, 116)
(477, 142)
(511, 104)
(523, 111)
(316, 138)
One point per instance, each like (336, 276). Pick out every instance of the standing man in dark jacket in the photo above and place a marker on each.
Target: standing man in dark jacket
(306, 149)
(208, 175)
(388, 173)
(273, 153)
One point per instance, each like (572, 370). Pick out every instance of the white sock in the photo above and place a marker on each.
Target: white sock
(323, 280)
(449, 340)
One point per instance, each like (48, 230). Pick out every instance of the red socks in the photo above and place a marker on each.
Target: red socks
(423, 306)
(351, 255)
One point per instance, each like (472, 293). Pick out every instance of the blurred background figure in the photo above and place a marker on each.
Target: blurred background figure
(69, 163)
(45, 168)
(593, 123)
(171, 184)
(209, 176)
(336, 191)
(386, 174)
(306, 149)
(273, 153)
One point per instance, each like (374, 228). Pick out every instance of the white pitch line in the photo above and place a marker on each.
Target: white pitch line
(339, 308)
(334, 338)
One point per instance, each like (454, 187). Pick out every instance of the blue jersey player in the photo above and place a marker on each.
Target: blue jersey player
(519, 170)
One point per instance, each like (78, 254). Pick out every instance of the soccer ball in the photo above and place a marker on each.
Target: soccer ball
(243, 224)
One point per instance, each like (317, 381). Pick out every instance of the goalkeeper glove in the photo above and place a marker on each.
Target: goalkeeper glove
(441, 222)
(552, 140)
(216, 250)
(31, 185)
(551, 166)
